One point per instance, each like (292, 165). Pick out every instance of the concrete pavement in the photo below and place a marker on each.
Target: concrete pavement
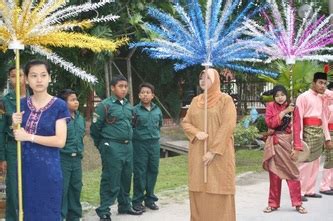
(251, 199)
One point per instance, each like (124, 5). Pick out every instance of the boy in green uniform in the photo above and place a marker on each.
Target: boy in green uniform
(2, 136)
(112, 133)
(8, 150)
(71, 158)
(147, 123)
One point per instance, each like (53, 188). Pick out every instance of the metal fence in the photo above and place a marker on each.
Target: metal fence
(246, 92)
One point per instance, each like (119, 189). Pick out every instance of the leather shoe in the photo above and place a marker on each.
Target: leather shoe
(139, 207)
(130, 211)
(327, 192)
(105, 218)
(152, 206)
(304, 199)
(315, 195)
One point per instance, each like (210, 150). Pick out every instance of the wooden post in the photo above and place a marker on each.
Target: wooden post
(129, 78)
(107, 79)
(90, 105)
(110, 69)
(129, 75)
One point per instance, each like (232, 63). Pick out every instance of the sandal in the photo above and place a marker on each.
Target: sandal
(269, 209)
(301, 210)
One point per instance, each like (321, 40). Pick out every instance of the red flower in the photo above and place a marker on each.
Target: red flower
(326, 68)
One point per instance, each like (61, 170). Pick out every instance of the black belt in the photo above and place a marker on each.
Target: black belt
(74, 154)
(121, 141)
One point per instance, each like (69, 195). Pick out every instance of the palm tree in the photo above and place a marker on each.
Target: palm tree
(302, 77)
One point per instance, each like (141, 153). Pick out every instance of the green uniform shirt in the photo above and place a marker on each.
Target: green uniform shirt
(2, 128)
(6, 133)
(112, 120)
(10, 107)
(147, 123)
(75, 133)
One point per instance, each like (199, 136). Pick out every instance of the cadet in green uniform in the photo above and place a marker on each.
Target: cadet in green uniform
(112, 133)
(2, 136)
(71, 157)
(8, 154)
(147, 123)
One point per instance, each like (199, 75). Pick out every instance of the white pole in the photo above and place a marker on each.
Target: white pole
(330, 8)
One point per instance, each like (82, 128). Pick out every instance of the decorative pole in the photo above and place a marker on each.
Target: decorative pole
(207, 65)
(17, 46)
(330, 9)
(291, 62)
(43, 24)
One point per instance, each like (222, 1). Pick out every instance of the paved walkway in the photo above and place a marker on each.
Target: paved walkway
(251, 199)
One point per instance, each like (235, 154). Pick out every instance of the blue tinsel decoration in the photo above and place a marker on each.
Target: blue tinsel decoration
(191, 39)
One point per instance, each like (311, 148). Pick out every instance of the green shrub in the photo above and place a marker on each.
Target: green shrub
(261, 124)
(245, 136)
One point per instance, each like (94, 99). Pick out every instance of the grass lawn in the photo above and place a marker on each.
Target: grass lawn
(173, 173)
(248, 160)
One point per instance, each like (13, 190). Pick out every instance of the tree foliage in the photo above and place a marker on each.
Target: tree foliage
(170, 85)
(302, 74)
